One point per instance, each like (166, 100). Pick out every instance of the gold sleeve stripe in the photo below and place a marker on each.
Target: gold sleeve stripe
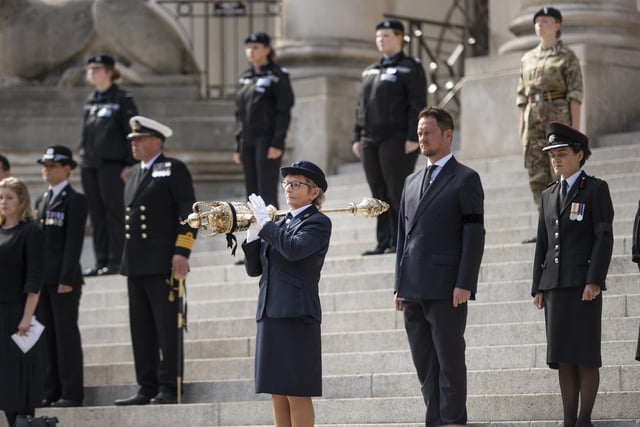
(185, 240)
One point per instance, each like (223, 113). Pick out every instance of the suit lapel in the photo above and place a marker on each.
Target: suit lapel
(143, 181)
(439, 183)
(60, 198)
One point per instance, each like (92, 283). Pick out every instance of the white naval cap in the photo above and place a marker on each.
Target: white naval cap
(141, 126)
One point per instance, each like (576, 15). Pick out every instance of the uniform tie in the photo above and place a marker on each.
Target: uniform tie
(563, 191)
(427, 179)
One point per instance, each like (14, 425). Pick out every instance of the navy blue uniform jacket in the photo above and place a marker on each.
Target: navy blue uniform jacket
(573, 251)
(290, 260)
(441, 235)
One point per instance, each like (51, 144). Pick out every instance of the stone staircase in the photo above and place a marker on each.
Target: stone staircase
(369, 379)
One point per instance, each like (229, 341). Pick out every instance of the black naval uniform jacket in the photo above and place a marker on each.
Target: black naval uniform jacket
(155, 202)
(105, 129)
(63, 223)
(574, 241)
(263, 106)
(635, 248)
(392, 94)
(290, 258)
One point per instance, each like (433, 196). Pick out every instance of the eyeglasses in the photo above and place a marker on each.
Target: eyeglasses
(295, 185)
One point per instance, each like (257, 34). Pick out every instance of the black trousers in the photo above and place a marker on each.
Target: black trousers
(261, 175)
(386, 166)
(154, 334)
(59, 314)
(436, 337)
(104, 190)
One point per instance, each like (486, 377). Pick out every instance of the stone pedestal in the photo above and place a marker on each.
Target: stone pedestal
(605, 35)
(325, 50)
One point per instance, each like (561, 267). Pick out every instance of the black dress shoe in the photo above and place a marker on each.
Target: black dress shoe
(90, 272)
(109, 270)
(390, 250)
(66, 403)
(531, 240)
(46, 403)
(239, 262)
(165, 398)
(377, 251)
(138, 399)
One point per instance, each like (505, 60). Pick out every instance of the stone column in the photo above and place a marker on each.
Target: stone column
(326, 45)
(604, 34)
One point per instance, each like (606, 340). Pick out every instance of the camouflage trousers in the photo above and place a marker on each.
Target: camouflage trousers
(537, 163)
(539, 168)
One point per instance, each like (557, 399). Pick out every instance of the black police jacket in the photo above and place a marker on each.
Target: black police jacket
(105, 128)
(392, 94)
(263, 106)
(63, 221)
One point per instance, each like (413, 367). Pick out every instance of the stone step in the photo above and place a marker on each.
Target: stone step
(482, 409)
(617, 378)
(487, 358)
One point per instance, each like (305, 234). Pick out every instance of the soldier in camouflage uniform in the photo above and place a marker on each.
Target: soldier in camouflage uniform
(550, 88)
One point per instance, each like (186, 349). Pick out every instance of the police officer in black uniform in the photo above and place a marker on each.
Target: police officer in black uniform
(393, 92)
(263, 113)
(158, 194)
(106, 157)
(573, 251)
(635, 256)
(62, 214)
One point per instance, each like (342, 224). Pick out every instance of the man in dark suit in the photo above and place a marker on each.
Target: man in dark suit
(62, 214)
(158, 192)
(440, 247)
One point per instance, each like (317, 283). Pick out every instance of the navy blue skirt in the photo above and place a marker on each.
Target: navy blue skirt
(573, 326)
(288, 357)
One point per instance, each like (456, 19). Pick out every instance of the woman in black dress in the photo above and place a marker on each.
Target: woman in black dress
(573, 251)
(21, 263)
(263, 114)
(288, 255)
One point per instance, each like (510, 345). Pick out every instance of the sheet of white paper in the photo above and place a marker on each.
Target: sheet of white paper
(25, 342)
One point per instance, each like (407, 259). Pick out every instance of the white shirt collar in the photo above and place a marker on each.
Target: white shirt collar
(56, 189)
(443, 161)
(298, 211)
(148, 164)
(572, 179)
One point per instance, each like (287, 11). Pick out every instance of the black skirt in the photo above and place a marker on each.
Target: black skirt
(573, 326)
(288, 357)
(23, 374)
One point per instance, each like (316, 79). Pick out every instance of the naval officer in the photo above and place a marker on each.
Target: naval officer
(158, 194)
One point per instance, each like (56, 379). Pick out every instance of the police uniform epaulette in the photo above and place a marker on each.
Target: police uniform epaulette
(416, 59)
(185, 240)
(556, 182)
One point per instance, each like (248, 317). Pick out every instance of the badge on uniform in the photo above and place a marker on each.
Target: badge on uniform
(577, 212)
(160, 170)
(54, 218)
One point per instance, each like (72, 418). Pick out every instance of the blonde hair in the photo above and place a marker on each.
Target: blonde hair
(25, 213)
(321, 198)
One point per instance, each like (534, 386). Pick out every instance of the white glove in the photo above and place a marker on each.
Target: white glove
(256, 204)
(252, 231)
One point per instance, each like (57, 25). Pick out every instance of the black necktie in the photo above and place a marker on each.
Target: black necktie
(563, 192)
(427, 179)
(287, 220)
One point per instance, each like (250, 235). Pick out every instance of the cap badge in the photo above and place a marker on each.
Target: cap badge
(552, 137)
(136, 126)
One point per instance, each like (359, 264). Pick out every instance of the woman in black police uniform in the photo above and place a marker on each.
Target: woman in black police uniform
(263, 114)
(62, 215)
(106, 157)
(393, 92)
(289, 255)
(573, 251)
(21, 263)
